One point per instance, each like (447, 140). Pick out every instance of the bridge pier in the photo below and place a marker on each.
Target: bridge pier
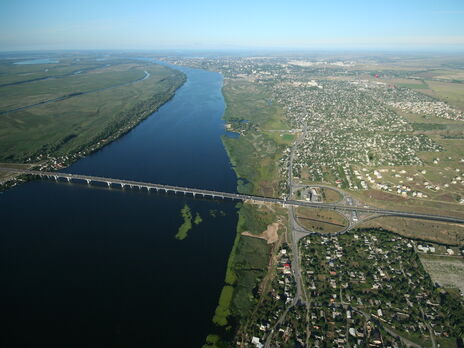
(234, 196)
(122, 185)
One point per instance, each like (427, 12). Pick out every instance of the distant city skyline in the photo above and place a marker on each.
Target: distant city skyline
(212, 25)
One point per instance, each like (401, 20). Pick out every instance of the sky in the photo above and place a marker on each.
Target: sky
(239, 24)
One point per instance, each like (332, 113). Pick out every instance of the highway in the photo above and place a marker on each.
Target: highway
(234, 196)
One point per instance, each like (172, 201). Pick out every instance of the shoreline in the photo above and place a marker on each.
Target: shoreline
(226, 319)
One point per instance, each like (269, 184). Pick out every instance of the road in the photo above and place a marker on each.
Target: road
(234, 196)
(298, 232)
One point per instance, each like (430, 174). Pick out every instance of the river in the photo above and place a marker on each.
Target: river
(86, 266)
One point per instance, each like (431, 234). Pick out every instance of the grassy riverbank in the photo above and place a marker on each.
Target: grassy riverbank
(246, 268)
(254, 155)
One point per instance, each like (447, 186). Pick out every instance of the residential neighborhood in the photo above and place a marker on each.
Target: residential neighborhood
(363, 288)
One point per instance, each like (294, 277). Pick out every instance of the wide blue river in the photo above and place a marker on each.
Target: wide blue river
(88, 266)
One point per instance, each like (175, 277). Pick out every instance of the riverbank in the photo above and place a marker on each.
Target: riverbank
(254, 156)
(82, 130)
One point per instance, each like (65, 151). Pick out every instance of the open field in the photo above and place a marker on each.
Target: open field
(452, 93)
(412, 84)
(73, 125)
(330, 196)
(439, 232)
(445, 85)
(16, 96)
(435, 186)
(445, 270)
(11, 73)
(321, 220)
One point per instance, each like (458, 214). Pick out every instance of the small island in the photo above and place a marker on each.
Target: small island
(182, 232)
(198, 220)
(186, 213)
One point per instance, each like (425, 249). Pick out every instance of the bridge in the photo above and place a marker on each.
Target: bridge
(58, 176)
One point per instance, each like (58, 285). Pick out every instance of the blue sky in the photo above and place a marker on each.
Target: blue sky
(216, 24)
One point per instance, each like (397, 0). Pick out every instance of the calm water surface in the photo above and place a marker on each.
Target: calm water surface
(87, 266)
(37, 61)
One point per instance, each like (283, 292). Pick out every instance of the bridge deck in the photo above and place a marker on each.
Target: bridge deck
(234, 196)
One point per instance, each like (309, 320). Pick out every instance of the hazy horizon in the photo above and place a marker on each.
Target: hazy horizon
(425, 26)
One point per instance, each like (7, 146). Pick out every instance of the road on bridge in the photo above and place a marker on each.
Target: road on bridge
(235, 196)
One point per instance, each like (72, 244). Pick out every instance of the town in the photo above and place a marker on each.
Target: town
(364, 288)
(352, 125)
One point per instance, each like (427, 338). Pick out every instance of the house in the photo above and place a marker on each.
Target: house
(255, 341)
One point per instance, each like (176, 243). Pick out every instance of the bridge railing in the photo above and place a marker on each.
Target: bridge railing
(239, 196)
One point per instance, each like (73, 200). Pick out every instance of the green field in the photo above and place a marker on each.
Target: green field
(450, 92)
(413, 85)
(16, 96)
(13, 73)
(428, 126)
(84, 122)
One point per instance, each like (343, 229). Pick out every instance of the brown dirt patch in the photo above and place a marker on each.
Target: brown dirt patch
(270, 235)
(320, 220)
(267, 188)
(383, 196)
(446, 198)
(331, 196)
